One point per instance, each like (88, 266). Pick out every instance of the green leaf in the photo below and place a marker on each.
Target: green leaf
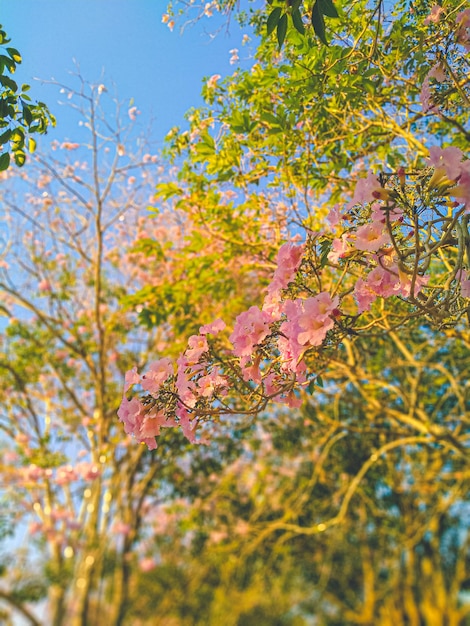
(328, 8)
(32, 145)
(295, 6)
(320, 381)
(297, 21)
(4, 161)
(14, 54)
(282, 29)
(4, 137)
(6, 61)
(27, 115)
(167, 190)
(325, 247)
(17, 138)
(273, 19)
(20, 158)
(318, 23)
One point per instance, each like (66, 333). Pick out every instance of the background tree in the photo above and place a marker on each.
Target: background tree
(73, 218)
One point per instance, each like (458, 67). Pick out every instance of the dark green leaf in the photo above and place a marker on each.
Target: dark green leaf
(4, 137)
(325, 248)
(318, 23)
(295, 6)
(319, 381)
(273, 19)
(328, 8)
(6, 61)
(298, 23)
(4, 161)
(27, 115)
(282, 30)
(8, 82)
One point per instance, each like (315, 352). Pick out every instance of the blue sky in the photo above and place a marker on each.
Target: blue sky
(126, 40)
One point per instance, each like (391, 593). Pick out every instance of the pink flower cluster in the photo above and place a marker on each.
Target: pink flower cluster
(62, 475)
(193, 381)
(449, 167)
(462, 33)
(269, 343)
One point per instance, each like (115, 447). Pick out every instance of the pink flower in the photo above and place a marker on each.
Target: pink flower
(448, 159)
(334, 216)
(251, 327)
(316, 320)
(120, 528)
(131, 413)
(88, 471)
(339, 248)
(197, 346)
(133, 113)
(44, 285)
(364, 295)
(68, 145)
(152, 424)
(189, 426)
(464, 277)
(212, 82)
(435, 15)
(371, 237)
(65, 474)
(307, 322)
(462, 190)
(384, 282)
(131, 378)
(211, 382)
(291, 352)
(147, 564)
(158, 372)
(438, 73)
(463, 28)
(185, 387)
(405, 283)
(213, 328)
(368, 189)
(33, 472)
(288, 261)
(234, 58)
(425, 96)
(252, 372)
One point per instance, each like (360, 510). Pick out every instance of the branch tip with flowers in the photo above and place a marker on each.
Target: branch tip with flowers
(395, 230)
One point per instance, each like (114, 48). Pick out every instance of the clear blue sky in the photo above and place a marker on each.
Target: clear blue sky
(126, 39)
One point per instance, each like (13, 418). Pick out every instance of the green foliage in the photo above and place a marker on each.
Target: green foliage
(278, 18)
(19, 115)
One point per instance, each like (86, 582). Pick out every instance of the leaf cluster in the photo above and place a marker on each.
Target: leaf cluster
(20, 116)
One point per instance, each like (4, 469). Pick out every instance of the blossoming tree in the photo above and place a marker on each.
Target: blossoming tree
(304, 286)
(398, 239)
(356, 154)
(73, 234)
